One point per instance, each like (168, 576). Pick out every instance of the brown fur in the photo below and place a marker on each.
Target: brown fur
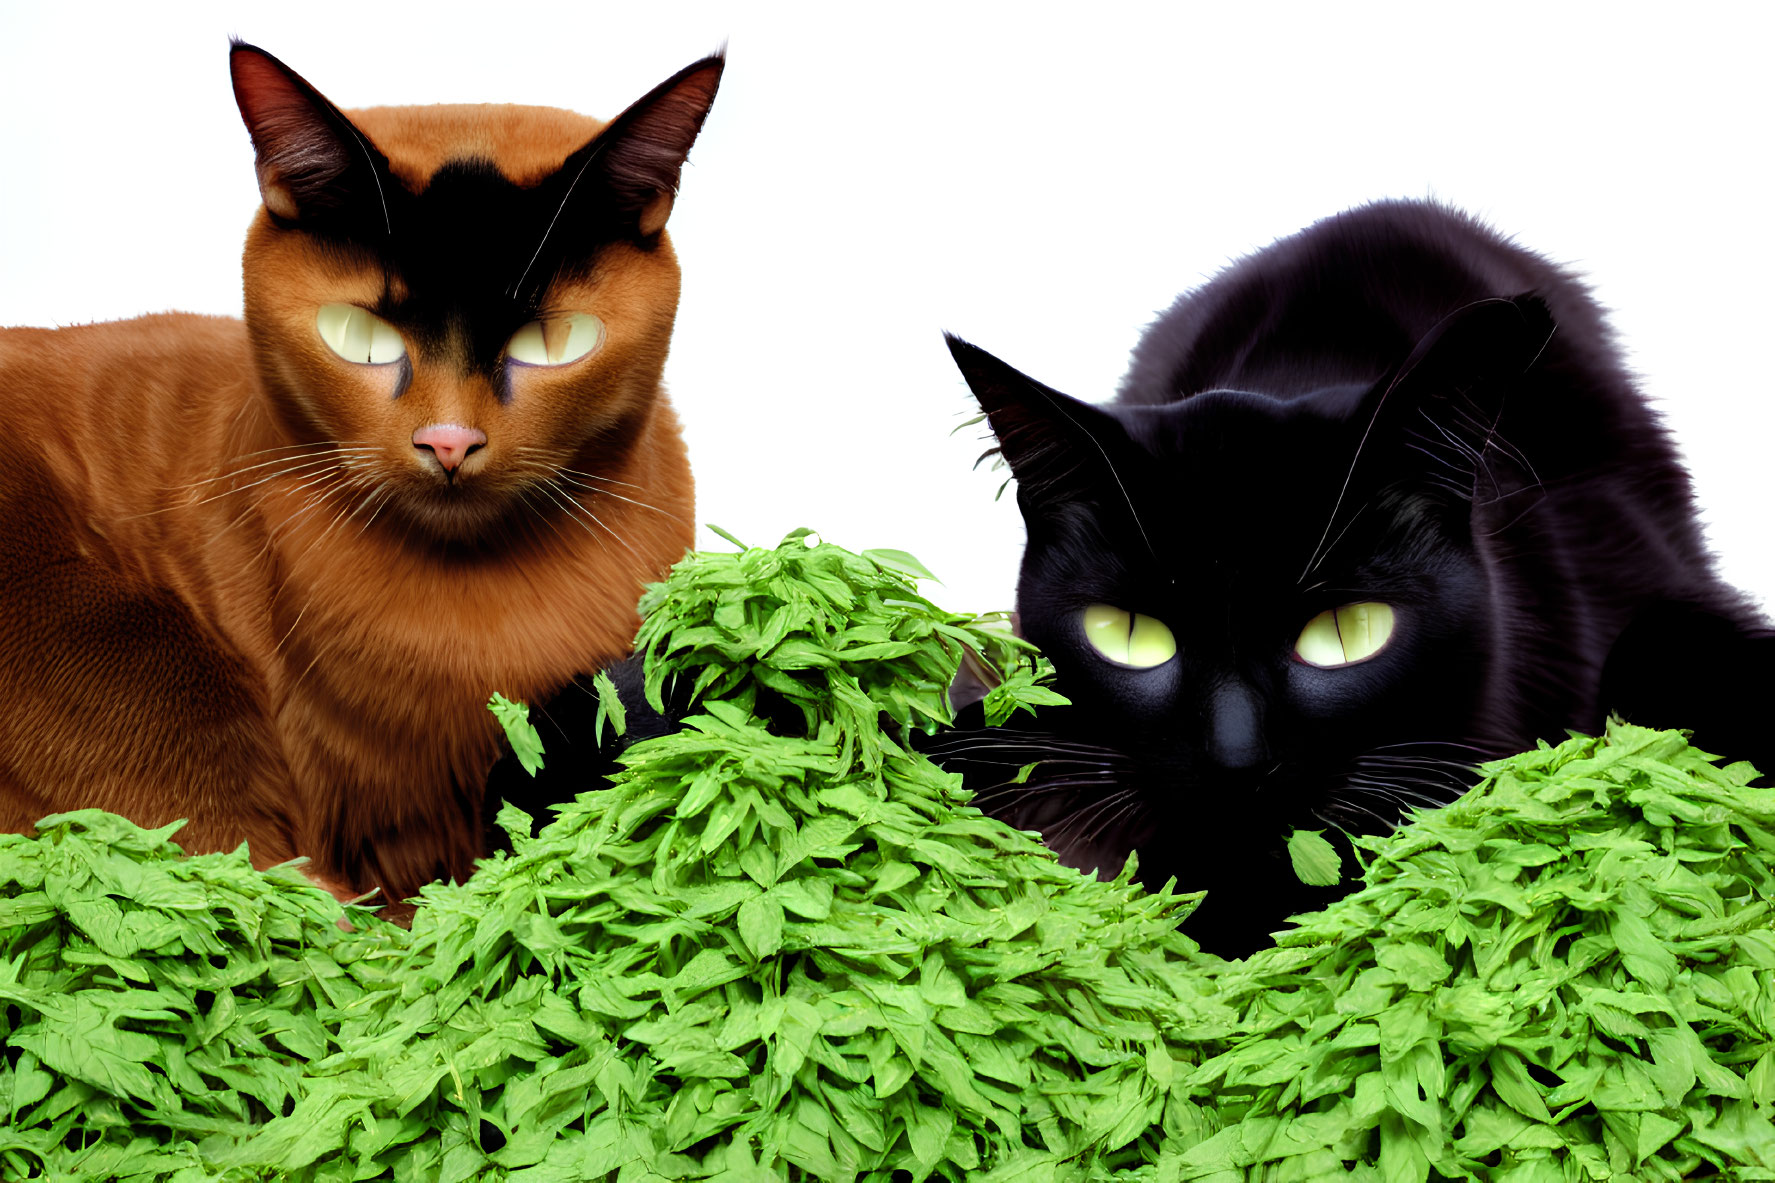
(210, 609)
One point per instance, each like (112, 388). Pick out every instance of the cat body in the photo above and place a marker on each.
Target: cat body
(1374, 504)
(267, 586)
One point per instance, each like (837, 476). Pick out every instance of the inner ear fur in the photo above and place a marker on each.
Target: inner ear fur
(638, 159)
(313, 163)
(1443, 404)
(1474, 351)
(1058, 447)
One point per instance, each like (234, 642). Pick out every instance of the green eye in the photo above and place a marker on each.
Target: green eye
(557, 340)
(1353, 633)
(1127, 638)
(358, 335)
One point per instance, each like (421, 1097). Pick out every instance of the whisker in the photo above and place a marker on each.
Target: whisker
(574, 509)
(388, 491)
(1093, 821)
(554, 467)
(234, 472)
(1325, 553)
(1044, 764)
(578, 474)
(542, 514)
(620, 497)
(1432, 743)
(1032, 791)
(1354, 811)
(300, 467)
(1019, 754)
(1393, 793)
(1007, 739)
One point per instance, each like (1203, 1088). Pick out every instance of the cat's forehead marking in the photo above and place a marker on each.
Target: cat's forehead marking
(529, 143)
(447, 273)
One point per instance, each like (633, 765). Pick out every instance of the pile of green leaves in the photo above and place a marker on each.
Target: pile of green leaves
(157, 1010)
(782, 946)
(1569, 973)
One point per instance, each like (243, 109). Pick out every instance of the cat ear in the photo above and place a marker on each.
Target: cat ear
(1435, 420)
(1058, 447)
(1476, 347)
(313, 163)
(640, 154)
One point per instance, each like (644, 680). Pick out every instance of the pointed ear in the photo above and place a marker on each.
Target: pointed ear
(314, 165)
(640, 154)
(1058, 447)
(1482, 345)
(1437, 415)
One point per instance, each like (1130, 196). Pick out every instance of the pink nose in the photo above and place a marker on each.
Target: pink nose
(449, 442)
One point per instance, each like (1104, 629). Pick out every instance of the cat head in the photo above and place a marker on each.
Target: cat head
(1254, 601)
(463, 300)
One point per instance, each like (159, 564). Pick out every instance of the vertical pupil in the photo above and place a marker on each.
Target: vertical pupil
(1128, 638)
(1352, 633)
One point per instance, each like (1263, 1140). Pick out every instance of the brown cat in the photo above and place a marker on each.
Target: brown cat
(263, 576)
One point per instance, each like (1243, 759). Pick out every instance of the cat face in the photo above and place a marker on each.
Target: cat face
(1219, 575)
(462, 331)
(1267, 613)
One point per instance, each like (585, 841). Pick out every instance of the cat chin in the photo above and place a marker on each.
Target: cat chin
(489, 520)
(457, 515)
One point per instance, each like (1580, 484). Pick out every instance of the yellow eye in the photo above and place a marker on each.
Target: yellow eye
(358, 335)
(557, 340)
(1126, 638)
(1353, 633)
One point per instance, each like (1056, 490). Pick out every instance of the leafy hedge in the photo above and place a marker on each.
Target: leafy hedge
(792, 950)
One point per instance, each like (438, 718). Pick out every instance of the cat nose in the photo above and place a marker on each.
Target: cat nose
(449, 442)
(1235, 727)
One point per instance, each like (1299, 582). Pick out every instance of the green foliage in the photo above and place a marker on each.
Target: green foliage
(514, 717)
(782, 946)
(1567, 974)
(155, 1010)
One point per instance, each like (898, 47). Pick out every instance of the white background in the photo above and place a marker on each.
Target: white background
(1042, 180)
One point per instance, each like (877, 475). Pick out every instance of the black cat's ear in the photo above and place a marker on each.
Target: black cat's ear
(1058, 447)
(1476, 347)
(313, 164)
(1437, 414)
(640, 154)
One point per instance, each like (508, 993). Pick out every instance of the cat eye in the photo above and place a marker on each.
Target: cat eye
(359, 335)
(1128, 638)
(556, 340)
(1353, 633)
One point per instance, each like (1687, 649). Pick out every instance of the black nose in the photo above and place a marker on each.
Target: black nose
(1235, 727)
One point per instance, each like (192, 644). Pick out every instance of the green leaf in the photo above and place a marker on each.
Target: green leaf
(724, 535)
(900, 561)
(514, 717)
(1315, 860)
(761, 925)
(609, 705)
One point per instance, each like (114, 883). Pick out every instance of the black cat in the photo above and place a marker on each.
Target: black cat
(1376, 503)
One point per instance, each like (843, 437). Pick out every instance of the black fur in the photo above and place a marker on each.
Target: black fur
(1394, 405)
(573, 758)
(475, 251)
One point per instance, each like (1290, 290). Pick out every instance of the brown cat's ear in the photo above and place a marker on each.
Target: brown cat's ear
(1059, 448)
(640, 154)
(314, 165)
